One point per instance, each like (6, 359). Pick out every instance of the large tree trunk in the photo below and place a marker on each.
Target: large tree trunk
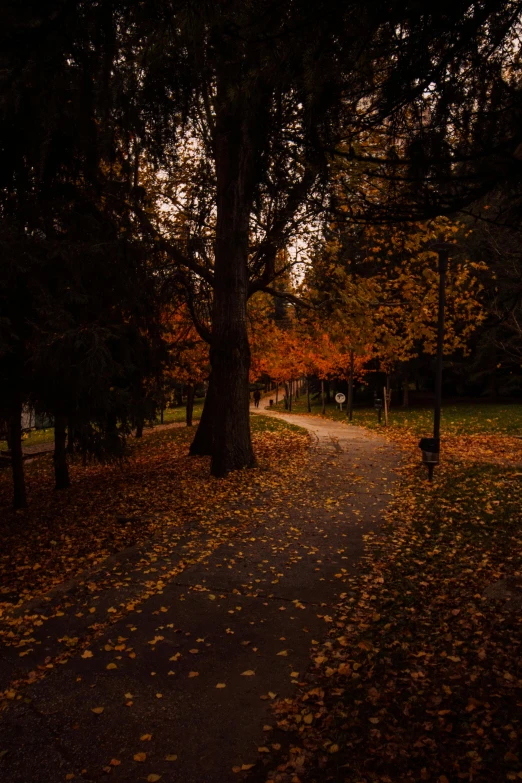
(70, 436)
(405, 391)
(17, 462)
(201, 446)
(190, 405)
(61, 471)
(230, 355)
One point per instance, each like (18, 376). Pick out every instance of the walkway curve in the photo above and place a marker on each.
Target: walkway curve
(246, 619)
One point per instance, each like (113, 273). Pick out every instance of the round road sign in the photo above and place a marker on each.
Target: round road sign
(340, 398)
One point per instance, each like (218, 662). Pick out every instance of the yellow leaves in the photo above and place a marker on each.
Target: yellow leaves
(129, 696)
(114, 762)
(146, 737)
(97, 710)
(333, 748)
(86, 654)
(111, 666)
(175, 657)
(156, 639)
(308, 718)
(140, 757)
(152, 778)
(248, 673)
(221, 685)
(193, 674)
(194, 651)
(242, 768)
(171, 757)
(283, 652)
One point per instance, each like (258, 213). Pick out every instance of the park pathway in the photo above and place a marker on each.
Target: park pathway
(179, 688)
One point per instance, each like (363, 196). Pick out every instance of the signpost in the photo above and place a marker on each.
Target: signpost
(340, 398)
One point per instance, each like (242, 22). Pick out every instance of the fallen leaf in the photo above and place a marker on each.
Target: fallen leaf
(248, 673)
(140, 756)
(97, 710)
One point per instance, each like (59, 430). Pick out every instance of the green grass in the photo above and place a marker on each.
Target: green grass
(465, 419)
(178, 413)
(34, 438)
(259, 423)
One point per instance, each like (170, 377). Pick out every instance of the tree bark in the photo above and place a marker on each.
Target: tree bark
(349, 407)
(190, 404)
(230, 354)
(322, 398)
(70, 436)
(201, 446)
(61, 470)
(139, 427)
(17, 462)
(405, 392)
(308, 395)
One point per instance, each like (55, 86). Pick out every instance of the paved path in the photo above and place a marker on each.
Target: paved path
(245, 615)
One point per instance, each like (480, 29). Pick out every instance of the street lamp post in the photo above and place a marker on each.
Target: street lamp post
(431, 446)
(443, 268)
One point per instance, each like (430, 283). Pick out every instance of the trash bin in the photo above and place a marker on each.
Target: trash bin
(430, 450)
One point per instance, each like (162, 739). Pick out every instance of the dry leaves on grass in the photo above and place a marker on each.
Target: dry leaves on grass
(420, 678)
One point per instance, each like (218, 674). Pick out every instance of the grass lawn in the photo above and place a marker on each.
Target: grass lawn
(421, 676)
(170, 416)
(33, 438)
(178, 413)
(459, 419)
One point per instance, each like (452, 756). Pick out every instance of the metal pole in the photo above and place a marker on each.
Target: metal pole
(443, 268)
(349, 407)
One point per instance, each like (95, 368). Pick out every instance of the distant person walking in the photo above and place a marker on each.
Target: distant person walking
(257, 397)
